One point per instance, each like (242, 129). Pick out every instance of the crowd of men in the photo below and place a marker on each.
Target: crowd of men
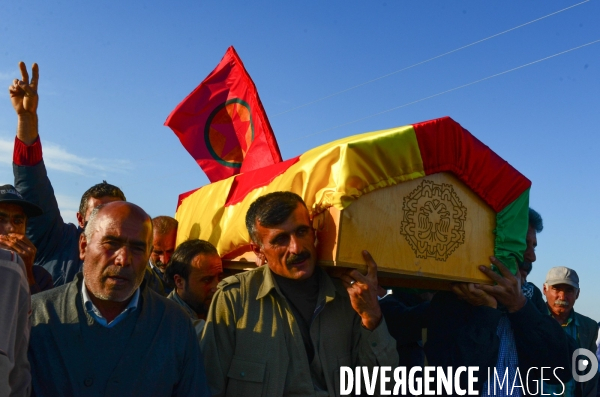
(111, 307)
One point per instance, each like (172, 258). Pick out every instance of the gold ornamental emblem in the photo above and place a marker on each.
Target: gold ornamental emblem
(434, 220)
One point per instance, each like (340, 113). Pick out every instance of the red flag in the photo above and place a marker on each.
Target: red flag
(223, 125)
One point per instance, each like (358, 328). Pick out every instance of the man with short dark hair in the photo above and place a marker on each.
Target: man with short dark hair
(195, 269)
(56, 241)
(536, 225)
(561, 290)
(286, 328)
(106, 333)
(163, 245)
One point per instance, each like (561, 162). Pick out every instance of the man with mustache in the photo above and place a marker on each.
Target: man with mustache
(195, 269)
(561, 289)
(163, 246)
(286, 328)
(106, 333)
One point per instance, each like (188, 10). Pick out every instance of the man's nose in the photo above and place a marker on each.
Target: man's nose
(165, 258)
(295, 245)
(123, 257)
(10, 227)
(530, 254)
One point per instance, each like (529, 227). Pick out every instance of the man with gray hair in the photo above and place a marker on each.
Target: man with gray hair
(105, 333)
(561, 289)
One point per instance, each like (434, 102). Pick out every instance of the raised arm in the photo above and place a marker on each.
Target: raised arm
(55, 241)
(24, 98)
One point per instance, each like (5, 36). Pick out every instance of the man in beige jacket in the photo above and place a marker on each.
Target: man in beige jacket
(286, 328)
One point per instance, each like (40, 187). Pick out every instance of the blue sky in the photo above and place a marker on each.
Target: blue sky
(111, 72)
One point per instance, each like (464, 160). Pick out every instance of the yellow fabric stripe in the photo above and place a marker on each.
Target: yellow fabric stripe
(334, 174)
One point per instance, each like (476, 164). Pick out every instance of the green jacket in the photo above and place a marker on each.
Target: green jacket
(252, 344)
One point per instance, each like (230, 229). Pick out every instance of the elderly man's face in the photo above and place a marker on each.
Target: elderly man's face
(163, 246)
(12, 219)
(561, 298)
(289, 248)
(116, 254)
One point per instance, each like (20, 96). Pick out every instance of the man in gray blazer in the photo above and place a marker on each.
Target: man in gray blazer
(562, 290)
(106, 333)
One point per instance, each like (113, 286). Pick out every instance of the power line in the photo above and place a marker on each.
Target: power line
(428, 60)
(445, 92)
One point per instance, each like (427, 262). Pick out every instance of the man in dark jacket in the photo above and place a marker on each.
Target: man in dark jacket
(106, 333)
(55, 240)
(498, 329)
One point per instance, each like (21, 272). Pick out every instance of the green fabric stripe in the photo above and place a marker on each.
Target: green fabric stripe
(511, 229)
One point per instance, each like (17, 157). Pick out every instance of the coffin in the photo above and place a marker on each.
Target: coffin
(429, 201)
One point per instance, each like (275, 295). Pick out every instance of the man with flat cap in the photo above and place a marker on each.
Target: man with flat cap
(561, 289)
(106, 333)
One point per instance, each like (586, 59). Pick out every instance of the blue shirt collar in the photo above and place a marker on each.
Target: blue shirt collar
(93, 311)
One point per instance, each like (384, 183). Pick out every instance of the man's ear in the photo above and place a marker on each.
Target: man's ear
(82, 245)
(80, 220)
(179, 281)
(577, 295)
(260, 256)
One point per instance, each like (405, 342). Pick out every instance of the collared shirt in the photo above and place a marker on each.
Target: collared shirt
(93, 311)
(570, 327)
(508, 361)
(198, 323)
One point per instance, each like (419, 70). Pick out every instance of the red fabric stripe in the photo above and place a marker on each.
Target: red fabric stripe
(446, 146)
(27, 155)
(184, 195)
(248, 181)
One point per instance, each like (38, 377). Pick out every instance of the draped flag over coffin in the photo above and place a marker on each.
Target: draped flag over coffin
(428, 200)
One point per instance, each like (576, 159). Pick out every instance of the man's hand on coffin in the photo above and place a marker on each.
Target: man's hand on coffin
(362, 290)
(507, 290)
(473, 295)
